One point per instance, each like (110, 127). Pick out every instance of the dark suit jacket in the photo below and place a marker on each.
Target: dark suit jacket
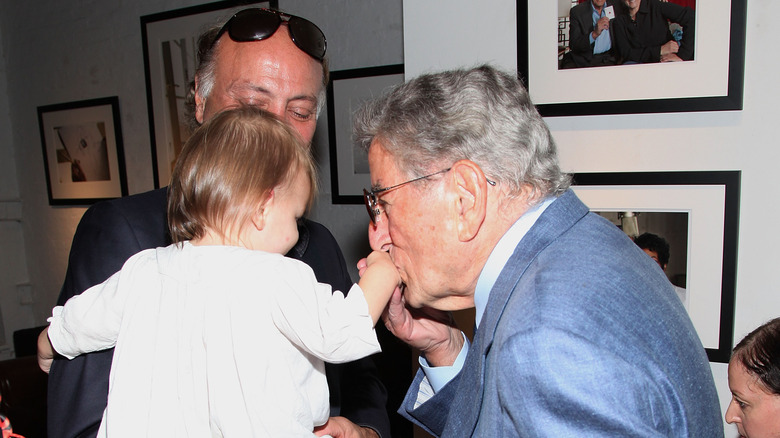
(640, 41)
(580, 28)
(112, 231)
(582, 336)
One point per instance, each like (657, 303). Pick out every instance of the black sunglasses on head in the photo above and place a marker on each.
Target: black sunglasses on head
(259, 23)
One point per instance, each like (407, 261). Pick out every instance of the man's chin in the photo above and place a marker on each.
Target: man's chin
(411, 296)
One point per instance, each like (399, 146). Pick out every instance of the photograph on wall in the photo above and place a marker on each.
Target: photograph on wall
(82, 151)
(624, 65)
(696, 213)
(347, 91)
(663, 236)
(605, 33)
(170, 45)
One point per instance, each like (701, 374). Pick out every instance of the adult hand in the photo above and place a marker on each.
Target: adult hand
(431, 331)
(672, 57)
(340, 427)
(669, 48)
(601, 25)
(45, 351)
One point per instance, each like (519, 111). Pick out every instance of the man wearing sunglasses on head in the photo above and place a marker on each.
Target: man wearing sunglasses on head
(260, 58)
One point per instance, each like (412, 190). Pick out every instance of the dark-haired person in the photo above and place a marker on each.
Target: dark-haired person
(658, 249)
(642, 34)
(283, 73)
(754, 380)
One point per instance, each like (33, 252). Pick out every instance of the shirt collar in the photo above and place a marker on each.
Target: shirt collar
(593, 9)
(501, 254)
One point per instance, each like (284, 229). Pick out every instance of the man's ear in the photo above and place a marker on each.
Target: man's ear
(261, 212)
(200, 102)
(472, 194)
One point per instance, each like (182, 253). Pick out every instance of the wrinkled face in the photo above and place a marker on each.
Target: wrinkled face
(754, 410)
(415, 227)
(280, 231)
(272, 74)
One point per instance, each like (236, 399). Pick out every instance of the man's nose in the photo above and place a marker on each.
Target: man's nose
(279, 110)
(378, 236)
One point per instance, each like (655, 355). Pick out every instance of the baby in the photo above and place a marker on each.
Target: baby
(219, 334)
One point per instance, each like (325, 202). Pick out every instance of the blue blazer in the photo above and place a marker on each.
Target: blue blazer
(582, 336)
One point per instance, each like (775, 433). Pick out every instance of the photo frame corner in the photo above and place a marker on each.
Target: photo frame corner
(88, 137)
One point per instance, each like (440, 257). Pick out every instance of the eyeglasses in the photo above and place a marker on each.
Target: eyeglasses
(257, 24)
(372, 203)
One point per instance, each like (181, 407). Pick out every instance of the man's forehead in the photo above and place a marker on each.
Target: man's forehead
(383, 167)
(277, 55)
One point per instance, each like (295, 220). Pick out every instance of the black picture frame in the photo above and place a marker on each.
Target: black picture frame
(726, 94)
(83, 155)
(347, 89)
(169, 41)
(704, 195)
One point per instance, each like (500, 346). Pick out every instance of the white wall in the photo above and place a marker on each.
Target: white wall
(740, 140)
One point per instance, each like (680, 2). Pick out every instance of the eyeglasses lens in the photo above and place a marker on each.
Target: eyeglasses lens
(370, 201)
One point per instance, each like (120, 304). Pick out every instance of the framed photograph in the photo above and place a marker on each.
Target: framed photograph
(700, 212)
(347, 90)
(170, 42)
(712, 81)
(82, 151)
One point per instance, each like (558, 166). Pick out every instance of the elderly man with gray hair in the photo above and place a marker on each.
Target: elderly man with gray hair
(578, 332)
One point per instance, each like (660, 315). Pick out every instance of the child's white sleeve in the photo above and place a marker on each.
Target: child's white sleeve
(87, 322)
(326, 323)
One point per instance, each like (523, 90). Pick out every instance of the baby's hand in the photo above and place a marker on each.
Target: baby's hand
(381, 262)
(378, 279)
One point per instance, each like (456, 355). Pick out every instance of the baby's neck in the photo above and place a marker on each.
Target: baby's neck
(212, 238)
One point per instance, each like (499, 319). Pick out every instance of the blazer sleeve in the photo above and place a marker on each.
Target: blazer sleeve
(579, 32)
(107, 235)
(431, 416)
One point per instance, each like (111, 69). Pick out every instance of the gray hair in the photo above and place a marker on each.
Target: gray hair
(482, 115)
(206, 70)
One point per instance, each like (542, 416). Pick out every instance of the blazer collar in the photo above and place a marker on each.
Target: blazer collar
(556, 220)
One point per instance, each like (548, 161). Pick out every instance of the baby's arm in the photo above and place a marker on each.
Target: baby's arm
(378, 280)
